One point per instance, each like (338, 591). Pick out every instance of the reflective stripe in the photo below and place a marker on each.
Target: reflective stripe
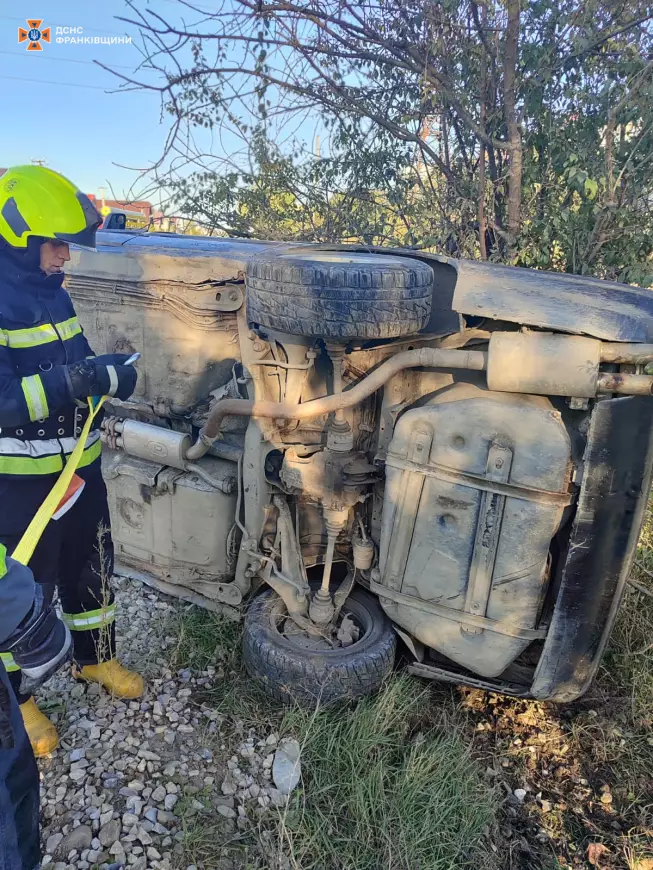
(90, 454)
(42, 447)
(3, 560)
(113, 380)
(69, 328)
(9, 662)
(37, 404)
(35, 465)
(44, 334)
(90, 619)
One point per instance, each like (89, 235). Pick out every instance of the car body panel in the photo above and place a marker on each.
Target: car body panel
(553, 300)
(611, 503)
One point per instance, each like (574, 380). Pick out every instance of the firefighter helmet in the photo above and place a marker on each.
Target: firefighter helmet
(35, 201)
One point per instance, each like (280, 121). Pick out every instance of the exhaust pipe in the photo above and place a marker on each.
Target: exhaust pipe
(424, 357)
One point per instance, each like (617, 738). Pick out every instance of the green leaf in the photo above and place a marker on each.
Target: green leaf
(591, 188)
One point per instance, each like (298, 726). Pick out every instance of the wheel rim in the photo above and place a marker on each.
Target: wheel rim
(291, 635)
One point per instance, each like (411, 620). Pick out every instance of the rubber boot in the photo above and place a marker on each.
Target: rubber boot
(41, 732)
(115, 678)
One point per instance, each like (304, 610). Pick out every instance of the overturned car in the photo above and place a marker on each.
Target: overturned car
(353, 445)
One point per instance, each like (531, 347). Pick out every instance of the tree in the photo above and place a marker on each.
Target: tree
(531, 118)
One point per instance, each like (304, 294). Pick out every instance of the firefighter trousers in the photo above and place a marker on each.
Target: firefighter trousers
(75, 558)
(19, 788)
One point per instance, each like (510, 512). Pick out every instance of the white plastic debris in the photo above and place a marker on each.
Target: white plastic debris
(286, 767)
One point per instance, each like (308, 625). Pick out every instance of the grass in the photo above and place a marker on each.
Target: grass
(390, 783)
(382, 792)
(629, 663)
(397, 781)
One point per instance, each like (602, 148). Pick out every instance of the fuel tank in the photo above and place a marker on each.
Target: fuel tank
(476, 487)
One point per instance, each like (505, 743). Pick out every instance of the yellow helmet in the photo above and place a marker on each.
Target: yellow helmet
(35, 201)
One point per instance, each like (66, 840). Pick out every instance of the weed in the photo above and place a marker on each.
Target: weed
(380, 791)
(104, 636)
(386, 784)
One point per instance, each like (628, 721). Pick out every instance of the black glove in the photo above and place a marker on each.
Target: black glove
(40, 645)
(92, 378)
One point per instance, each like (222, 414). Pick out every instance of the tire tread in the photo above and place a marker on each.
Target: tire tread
(290, 677)
(387, 300)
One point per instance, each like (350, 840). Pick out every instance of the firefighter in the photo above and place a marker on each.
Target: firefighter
(47, 372)
(41, 643)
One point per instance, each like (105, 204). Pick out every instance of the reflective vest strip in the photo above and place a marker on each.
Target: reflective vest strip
(91, 454)
(35, 465)
(6, 658)
(37, 403)
(90, 619)
(42, 446)
(69, 328)
(44, 334)
(9, 662)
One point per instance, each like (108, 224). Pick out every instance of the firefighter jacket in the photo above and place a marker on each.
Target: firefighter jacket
(16, 594)
(40, 336)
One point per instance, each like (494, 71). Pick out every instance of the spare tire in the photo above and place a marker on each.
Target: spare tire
(331, 294)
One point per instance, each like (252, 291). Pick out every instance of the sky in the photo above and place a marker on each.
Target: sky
(58, 106)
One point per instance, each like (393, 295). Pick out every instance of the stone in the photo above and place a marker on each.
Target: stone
(226, 812)
(153, 854)
(148, 756)
(79, 839)
(158, 794)
(118, 851)
(277, 798)
(109, 833)
(144, 837)
(52, 843)
(229, 785)
(286, 767)
(170, 801)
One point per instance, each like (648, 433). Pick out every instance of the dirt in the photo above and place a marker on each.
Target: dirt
(567, 799)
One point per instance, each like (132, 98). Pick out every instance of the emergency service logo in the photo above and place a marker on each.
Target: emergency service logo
(34, 35)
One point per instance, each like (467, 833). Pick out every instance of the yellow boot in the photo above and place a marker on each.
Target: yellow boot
(114, 677)
(41, 732)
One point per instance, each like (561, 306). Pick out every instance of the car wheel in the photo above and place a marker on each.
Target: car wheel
(295, 667)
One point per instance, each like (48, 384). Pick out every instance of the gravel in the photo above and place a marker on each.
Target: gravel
(129, 776)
